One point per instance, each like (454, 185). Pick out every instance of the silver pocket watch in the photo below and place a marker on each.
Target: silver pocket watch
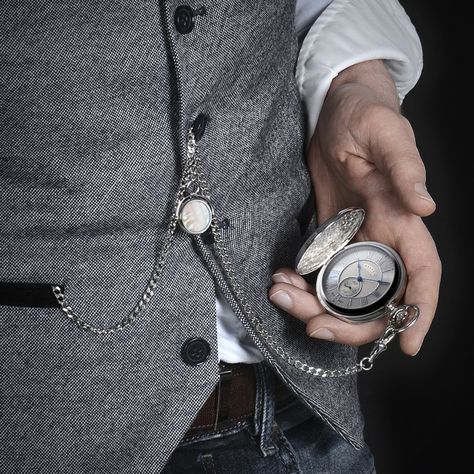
(357, 282)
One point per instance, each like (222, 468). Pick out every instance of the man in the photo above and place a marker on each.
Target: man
(97, 104)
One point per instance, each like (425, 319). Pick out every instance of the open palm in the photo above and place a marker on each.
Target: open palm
(363, 153)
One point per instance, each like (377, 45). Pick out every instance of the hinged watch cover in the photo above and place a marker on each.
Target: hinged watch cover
(330, 237)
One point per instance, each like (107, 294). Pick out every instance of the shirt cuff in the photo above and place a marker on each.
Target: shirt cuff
(349, 32)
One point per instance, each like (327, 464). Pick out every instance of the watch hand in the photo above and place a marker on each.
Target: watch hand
(359, 277)
(381, 282)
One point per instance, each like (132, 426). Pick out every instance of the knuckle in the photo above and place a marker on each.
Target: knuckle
(340, 153)
(311, 327)
(313, 324)
(377, 112)
(276, 287)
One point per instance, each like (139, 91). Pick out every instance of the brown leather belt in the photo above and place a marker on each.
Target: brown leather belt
(233, 399)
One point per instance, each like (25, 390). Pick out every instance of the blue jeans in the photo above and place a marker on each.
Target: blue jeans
(286, 439)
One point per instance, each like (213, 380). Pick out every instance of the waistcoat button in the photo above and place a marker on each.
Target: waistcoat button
(184, 19)
(199, 125)
(195, 350)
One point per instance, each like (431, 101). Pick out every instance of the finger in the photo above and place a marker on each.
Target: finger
(295, 301)
(394, 152)
(288, 275)
(421, 258)
(329, 328)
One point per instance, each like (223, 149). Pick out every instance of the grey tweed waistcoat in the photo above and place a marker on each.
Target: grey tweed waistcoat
(95, 100)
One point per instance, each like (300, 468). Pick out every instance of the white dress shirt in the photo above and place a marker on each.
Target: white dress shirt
(333, 36)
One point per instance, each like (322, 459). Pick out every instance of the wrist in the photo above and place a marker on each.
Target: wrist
(369, 78)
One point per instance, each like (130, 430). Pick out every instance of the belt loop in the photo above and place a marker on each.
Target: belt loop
(222, 411)
(264, 408)
(255, 428)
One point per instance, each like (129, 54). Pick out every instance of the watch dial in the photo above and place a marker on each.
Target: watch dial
(359, 276)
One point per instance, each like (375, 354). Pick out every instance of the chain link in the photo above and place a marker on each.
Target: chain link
(189, 177)
(193, 175)
(397, 320)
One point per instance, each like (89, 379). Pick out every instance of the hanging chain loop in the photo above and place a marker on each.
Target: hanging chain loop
(188, 179)
(194, 182)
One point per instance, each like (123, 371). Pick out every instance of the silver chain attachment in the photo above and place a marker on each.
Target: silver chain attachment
(194, 182)
(189, 178)
(400, 319)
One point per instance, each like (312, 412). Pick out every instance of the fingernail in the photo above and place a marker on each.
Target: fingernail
(422, 192)
(282, 299)
(323, 333)
(280, 278)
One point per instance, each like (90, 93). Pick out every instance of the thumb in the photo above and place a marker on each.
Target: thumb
(407, 176)
(395, 154)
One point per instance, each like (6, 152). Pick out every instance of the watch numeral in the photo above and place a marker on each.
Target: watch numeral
(335, 299)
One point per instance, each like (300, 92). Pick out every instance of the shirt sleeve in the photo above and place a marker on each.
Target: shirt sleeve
(306, 13)
(348, 32)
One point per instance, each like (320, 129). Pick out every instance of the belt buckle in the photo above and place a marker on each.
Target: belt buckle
(222, 408)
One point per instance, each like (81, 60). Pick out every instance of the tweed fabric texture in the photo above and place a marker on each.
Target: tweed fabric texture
(95, 98)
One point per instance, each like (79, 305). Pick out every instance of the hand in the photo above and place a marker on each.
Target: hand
(363, 153)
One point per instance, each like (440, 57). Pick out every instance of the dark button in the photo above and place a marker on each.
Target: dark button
(199, 125)
(184, 19)
(195, 350)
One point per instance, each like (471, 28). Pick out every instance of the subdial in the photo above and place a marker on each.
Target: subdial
(350, 287)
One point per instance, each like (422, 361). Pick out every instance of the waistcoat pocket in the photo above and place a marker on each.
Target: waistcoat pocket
(28, 294)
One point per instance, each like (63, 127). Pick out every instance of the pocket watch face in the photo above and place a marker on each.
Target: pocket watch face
(360, 278)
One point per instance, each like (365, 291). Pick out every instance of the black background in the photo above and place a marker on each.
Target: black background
(416, 408)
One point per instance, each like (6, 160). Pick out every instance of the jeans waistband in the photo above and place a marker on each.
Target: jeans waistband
(270, 395)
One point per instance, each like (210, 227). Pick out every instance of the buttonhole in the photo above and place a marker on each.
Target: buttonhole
(199, 11)
(224, 223)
